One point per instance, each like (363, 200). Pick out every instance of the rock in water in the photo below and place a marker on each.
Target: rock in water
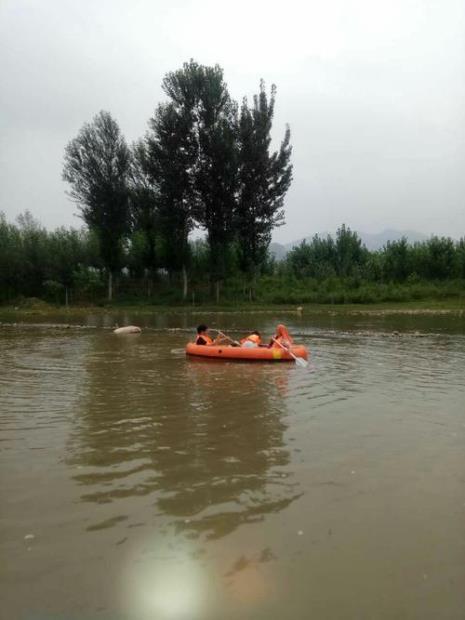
(128, 329)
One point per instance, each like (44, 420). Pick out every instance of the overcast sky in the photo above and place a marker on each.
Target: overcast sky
(374, 92)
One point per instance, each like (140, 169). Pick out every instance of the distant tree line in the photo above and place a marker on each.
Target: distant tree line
(65, 265)
(344, 256)
(341, 269)
(205, 162)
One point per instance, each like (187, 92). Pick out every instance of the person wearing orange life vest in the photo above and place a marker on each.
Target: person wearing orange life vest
(252, 340)
(282, 337)
(205, 339)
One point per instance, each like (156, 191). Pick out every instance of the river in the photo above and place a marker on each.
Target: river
(138, 484)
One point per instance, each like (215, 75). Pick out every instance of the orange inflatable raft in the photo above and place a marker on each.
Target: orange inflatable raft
(273, 354)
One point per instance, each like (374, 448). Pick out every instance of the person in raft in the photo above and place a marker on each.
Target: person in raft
(204, 338)
(252, 340)
(282, 337)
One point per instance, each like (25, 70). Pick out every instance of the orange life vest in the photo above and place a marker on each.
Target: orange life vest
(207, 339)
(255, 338)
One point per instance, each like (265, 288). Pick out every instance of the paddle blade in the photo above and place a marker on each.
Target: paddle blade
(301, 362)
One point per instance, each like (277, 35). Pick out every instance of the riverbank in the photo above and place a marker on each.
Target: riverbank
(42, 310)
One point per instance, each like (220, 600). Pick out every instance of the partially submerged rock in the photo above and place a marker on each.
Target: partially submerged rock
(127, 329)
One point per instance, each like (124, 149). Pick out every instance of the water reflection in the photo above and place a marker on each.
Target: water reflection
(203, 439)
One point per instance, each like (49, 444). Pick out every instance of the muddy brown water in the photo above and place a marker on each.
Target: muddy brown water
(138, 484)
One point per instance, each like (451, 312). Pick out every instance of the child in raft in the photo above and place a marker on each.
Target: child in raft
(281, 337)
(204, 338)
(252, 340)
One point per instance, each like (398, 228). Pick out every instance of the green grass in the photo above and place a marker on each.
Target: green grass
(424, 306)
(275, 293)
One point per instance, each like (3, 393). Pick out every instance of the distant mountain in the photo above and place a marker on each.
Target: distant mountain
(373, 241)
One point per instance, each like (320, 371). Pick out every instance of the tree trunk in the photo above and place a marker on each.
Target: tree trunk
(110, 285)
(253, 284)
(149, 284)
(184, 283)
(66, 296)
(217, 291)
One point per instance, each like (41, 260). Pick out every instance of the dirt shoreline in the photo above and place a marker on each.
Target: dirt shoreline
(41, 312)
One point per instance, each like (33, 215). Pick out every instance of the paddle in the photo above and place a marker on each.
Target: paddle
(224, 336)
(298, 360)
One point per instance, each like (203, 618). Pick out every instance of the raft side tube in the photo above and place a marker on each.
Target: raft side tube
(272, 354)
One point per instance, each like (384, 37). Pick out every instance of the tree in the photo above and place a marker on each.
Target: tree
(66, 253)
(171, 152)
(396, 260)
(96, 165)
(437, 258)
(351, 255)
(316, 259)
(217, 187)
(33, 243)
(200, 100)
(145, 215)
(10, 259)
(460, 251)
(264, 179)
(442, 258)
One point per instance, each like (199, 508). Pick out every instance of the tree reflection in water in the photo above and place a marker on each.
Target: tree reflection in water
(205, 438)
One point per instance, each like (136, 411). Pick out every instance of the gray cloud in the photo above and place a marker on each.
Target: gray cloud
(374, 93)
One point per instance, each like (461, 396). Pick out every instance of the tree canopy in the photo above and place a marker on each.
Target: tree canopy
(96, 166)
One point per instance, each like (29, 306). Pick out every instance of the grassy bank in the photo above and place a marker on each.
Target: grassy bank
(41, 309)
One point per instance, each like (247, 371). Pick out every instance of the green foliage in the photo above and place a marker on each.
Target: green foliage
(460, 249)
(215, 115)
(144, 202)
(435, 259)
(53, 291)
(343, 291)
(10, 259)
(38, 263)
(343, 256)
(63, 264)
(441, 260)
(32, 268)
(264, 179)
(170, 155)
(397, 260)
(316, 259)
(89, 284)
(96, 166)
(351, 256)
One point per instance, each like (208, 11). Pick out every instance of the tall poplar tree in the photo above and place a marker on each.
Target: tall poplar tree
(217, 184)
(96, 165)
(200, 97)
(144, 211)
(171, 152)
(264, 179)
